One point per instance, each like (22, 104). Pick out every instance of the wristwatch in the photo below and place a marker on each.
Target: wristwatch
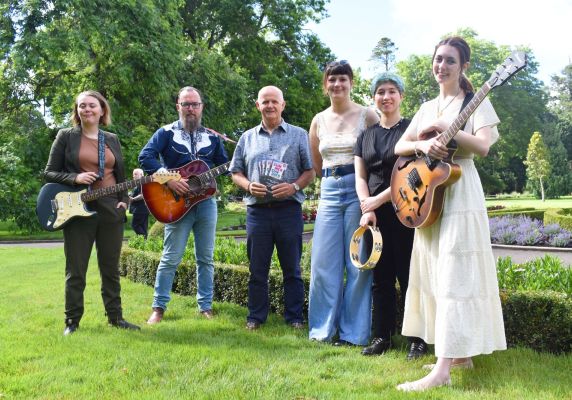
(296, 186)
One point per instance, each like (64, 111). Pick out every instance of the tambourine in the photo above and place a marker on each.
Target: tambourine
(375, 249)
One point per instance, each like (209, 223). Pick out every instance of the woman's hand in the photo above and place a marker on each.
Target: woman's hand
(433, 148)
(122, 204)
(368, 218)
(370, 204)
(86, 178)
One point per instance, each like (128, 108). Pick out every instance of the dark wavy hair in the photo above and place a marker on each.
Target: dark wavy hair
(465, 54)
(104, 120)
(341, 67)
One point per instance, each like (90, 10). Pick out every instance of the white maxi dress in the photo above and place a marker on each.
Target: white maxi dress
(453, 296)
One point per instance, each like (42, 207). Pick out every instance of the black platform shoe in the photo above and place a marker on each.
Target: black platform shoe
(378, 346)
(418, 348)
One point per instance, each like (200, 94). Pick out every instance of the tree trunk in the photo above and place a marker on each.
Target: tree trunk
(541, 189)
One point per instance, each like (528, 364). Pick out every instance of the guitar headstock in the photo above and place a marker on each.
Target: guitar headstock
(166, 176)
(514, 63)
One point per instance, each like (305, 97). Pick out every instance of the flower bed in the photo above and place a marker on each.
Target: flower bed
(525, 231)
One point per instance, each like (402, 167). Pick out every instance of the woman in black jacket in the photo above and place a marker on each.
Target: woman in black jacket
(86, 155)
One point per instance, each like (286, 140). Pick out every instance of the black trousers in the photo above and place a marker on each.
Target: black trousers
(105, 229)
(139, 223)
(392, 266)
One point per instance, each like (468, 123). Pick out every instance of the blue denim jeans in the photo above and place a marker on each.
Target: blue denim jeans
(265, 228)
(201, 220)
(335, 307)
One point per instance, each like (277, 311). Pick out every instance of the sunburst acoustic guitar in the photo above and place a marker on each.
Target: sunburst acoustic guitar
(418, 183)
(167, 206)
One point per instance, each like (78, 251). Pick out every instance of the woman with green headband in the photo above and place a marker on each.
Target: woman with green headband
(374, 159)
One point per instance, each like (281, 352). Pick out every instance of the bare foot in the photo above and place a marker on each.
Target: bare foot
(430, 381)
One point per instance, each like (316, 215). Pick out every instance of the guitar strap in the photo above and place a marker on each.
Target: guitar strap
(468, 98)
(101, 154)
(453, 144)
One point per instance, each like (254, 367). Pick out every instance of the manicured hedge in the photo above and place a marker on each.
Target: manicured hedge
(560, 216)
(528, 211)
(540, 320)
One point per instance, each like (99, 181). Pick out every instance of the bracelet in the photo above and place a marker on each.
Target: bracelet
(417, 154)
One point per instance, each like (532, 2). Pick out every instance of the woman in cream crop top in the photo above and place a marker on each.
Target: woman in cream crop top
(340, 295)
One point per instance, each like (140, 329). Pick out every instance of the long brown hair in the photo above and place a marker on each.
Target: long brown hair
(104, 120)
(464, 53)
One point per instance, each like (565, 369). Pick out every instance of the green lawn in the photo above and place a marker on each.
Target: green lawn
(187, 357)
(563, 202)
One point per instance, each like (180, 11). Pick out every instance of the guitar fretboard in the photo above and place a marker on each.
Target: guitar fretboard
(209, 175)
(120, 187)
(464, 115)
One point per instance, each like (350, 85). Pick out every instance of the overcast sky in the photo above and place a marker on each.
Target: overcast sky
(415, 26)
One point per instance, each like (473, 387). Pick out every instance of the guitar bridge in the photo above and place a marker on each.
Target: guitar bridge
(414, 180)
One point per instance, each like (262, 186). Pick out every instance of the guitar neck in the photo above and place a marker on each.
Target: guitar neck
(464, 115)
(209, 175)
(91, 195)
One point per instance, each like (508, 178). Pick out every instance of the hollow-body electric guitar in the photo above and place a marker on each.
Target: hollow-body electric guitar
(167, 206)
(57, 203)
(418, 183)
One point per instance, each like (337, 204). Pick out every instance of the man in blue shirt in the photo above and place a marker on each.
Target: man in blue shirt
(177, 144)
(272, 163)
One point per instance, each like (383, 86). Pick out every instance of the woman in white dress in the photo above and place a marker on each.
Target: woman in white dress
(453, 299)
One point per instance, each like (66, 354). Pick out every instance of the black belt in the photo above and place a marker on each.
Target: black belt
(275, 204)
(338, 170)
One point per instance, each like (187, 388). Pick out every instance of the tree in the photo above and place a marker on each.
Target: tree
(384, 52)
(537, 161)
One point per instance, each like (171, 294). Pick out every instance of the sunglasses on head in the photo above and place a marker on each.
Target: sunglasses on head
(336, 63)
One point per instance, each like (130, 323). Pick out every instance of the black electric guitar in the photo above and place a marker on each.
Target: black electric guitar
(57, 203)
(418, 184)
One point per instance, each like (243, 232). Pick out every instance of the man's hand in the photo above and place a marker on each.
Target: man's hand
(180, 187)
(283, 190)
(257, 189)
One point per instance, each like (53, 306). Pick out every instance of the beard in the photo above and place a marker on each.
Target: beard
(190, 122)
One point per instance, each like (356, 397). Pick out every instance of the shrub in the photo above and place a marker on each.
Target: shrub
(560, 216)
(546, 273)
(541, 320)
(525, 231)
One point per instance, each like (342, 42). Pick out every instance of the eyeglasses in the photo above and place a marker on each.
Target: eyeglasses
(194, 106)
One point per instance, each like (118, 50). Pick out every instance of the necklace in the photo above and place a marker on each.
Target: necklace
(439, 110)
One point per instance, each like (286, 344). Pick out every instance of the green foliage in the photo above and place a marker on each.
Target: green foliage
(546, 273)
(537, 161)
(539, 320)
(531, 212)
(560, 216)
